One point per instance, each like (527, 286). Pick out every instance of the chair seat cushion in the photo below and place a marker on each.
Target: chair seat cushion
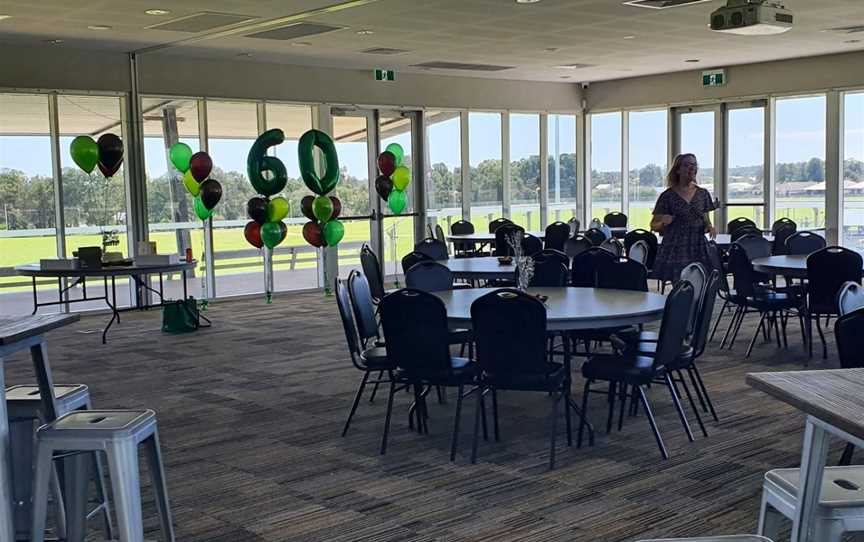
(629, 368)
(463, 370)
(376, 358)
(459, 336)
(832, 495)
(551, 379)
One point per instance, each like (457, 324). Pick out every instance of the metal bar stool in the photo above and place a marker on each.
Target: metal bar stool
(24, 409)
(118, 433)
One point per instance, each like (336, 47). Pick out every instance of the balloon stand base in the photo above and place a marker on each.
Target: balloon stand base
(203, 305)
(328, 292)
(269, 298)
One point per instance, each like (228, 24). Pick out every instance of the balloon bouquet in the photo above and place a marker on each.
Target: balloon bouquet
(394, 178)
(107, 154)
(196, 169)
(322, 230)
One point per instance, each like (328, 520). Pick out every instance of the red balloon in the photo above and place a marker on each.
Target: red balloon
(313, 234)
(109, 172)
(337, 207)
(306, 207)
(110, 154)
(200, 165)
(252, 232)
(386, 163)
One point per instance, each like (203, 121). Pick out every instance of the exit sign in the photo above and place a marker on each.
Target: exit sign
(385, 75)
(714, 78)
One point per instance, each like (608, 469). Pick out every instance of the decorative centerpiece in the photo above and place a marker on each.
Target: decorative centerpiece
(524, 264)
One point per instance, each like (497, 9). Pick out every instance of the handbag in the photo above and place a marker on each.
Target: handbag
(180, 316)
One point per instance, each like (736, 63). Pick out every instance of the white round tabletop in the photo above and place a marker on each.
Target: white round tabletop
(486, 237)
(794, 266)
(570, 308)
(485, 268)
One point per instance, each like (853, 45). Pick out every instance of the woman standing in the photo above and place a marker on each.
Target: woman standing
(681, 218)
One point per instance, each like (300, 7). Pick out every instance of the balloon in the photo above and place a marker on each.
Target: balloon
(277, 209)
(257, 209)
(337, 207)
(383, 185)
(397, 151)
(203, 212)
(326, 182)
(211, 193)
(334, 231)
(190, 183)
(322, 208)
(110, 154)
(306, 207)
(386, 163)
(397, 201)
(257, 162)
(200, 165)
(401, 177)
(313, 234)
(252, 233)
(85, 153)
(272, 233)
(180, 154)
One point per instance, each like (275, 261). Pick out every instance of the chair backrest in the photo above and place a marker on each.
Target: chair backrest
(613, 246)
(584, 266)
(435, 249)
(650, 239)
(781, 234)
(695, 274)
(502, 247)
(497, 223)
(615, 219)
(828, 270)
(554, 254)
(429, 276)
(439, 234)
(850, 298)
(364, 310)
(557, 234)
(740, 222)
(706, 311)
(510, 333)
(746, 229)
(461, 227)
(717, 263)
(416, 332)
(849, 334)
(595, 223)
(595, 235)
(412, 258)
(531, 244)
(429, 232)
(742, 271)
(671, 336)
(343, 301)
(621, 274)
(755, 245)
(639, 252)
(575, 245)
(372, 269)
(550, 269)
(783, 222)
(804, 242)
(574, 225)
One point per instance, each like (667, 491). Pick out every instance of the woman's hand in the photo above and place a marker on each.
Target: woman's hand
(711, 231)
(666, 219)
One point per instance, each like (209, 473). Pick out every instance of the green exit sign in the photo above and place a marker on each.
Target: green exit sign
(714, 78)
(385, 75)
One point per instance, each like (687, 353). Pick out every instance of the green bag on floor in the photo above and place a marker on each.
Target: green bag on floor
(180, 316)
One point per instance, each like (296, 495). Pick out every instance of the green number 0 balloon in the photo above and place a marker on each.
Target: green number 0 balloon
(258, 162)
(327, 182)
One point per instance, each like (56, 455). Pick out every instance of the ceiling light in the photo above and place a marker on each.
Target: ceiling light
(852, 41)
(365, 32)
(527, 1)
(53, 42)
(300, 43)
(99, 27)
(550, 49)
(629, 38)
(244, 55)
(692, 60)
(565, 77)
(157, 12)
(5, 17)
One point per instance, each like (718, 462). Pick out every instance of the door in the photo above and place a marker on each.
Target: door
(744, 194)
(699, 130)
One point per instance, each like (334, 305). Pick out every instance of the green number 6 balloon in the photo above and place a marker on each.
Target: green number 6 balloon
(258, 162)
(327, 182)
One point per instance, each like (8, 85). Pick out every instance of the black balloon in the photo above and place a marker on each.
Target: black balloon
(110, 154)
(257, 209)
(306, 208)
(211, 193)
(383, 185)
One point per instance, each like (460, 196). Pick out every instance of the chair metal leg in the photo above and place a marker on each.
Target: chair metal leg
(553, 419)
(160, 488)
(483, 415)
(387, 417)
(673, 390)
(356, 402)
(770, 520)
(692, 402)
(125, 485)
(567, 414)
(495, 429)
(822, 338)
(809, 336)
(717, 322)
(375, 388)
(694, 372)
(611, 400)
(738, 327)
(583, 420)
(41, 488)
(477, 408)
(652, 422)
(102, 496)
(454, 440)
(623, 405)
(735, 314)
(761, 326)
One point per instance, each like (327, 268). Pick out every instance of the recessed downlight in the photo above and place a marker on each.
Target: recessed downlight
(5, 17)
(98, 27)
(53, 42)
(852, 41)
(300, 44)
(628, 38)
(244, 55)
(527, 1)
(158, 11)
(565, 77)
(365, 32)
(692, 60)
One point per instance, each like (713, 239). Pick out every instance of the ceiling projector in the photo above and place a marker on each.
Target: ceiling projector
(752, 18)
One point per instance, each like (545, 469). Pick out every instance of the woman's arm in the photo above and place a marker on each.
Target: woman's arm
(709, 228)
(659, 222)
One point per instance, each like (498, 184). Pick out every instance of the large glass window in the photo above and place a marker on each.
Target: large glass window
(697, 137)
(605, 163)
(398, 230)
(351, 136)
(745, 143)
(27, 213)
(562, 168)
(443, 170)
(647, 144)
(525, 170)
(853, 169)
(487, 180)
(799, 168)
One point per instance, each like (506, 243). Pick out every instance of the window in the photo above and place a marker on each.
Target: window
(853, 169)
(350, 134)
(443, 170)
(744, 170)
(525, 170)
(605, 163)
(647, 145)
(487, 180)
(562, 168)
(398, 230)
(799, 167)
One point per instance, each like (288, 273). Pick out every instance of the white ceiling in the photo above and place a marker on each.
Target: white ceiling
(533, 38)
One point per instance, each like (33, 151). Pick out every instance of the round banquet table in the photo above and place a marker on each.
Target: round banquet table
(570, 308)
(794, 266)
(485, 268)
(485, 237)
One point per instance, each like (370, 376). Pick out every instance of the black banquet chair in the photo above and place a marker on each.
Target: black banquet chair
(649, 238)
(804, 242)
(497, 223)
(584, 266)
(435, 249)
(621, 274)
(550, 269)
(828, 270)
(576, 244)
(531, 244)
(429, 276)
(412, 258)
(781, 232)
(595, 235)
(502, 246)
(737, 223)
(783, 222)
(462, 249)
(574, 225)
(372, 269)
(615, 219)
(557, 234)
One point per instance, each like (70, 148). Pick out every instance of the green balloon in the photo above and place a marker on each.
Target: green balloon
(397, 151)
(203, 212)
(258, 162)
(322, 208)
(180, 154)
(397, 201)
(191, 184)
(334, 231)
(272, 233)
(85, 153)
(277, 209)
(320, 184)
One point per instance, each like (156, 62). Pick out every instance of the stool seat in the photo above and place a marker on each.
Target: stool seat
(25, 399)
(731, 538)
(841, 486)
(99, 425)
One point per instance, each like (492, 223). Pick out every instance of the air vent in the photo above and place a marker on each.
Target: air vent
(202, 22)
(854, 29)
(295, 31)
(385, 51)
(575, 66)
(663, 4)
(440, 65)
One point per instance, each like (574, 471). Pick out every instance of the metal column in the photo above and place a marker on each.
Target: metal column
(506, 187)
(466, 166)
(544, 170)
(418, 147)
(209, 253)
(833, 167)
